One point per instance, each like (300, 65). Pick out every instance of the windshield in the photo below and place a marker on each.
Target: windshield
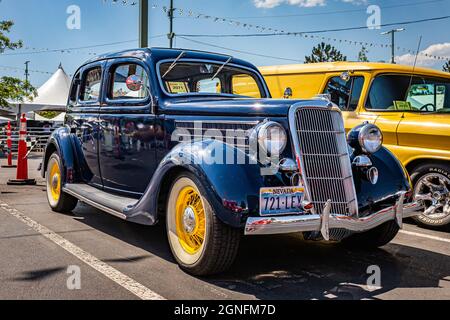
(209, 78)
(394, 93)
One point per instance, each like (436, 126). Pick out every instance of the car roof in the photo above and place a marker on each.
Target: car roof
(347, 66)
(165, 53)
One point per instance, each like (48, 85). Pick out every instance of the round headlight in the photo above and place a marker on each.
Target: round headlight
(272, 137)
(370, 138)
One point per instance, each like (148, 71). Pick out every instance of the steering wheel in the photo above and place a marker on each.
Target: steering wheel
(425, 107)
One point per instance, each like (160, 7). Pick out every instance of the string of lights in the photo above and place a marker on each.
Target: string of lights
(16, 69)
(334, 12)
(77, 50)
(180, 12)
(239, 51)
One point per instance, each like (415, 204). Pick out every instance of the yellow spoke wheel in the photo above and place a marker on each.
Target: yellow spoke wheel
(190, 220)
(55, 181)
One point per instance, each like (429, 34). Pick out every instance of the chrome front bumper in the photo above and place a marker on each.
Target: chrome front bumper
(326, 221)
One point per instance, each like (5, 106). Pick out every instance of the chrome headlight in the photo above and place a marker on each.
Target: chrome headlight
(370, 138)
(272, 137)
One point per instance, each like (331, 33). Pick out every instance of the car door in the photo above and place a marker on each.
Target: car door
(127, 144)
(82, 118)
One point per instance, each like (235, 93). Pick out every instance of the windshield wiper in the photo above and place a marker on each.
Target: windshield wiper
(221, 68)
(174, 63)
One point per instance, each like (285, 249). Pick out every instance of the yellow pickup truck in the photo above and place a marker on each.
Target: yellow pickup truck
(411, 106)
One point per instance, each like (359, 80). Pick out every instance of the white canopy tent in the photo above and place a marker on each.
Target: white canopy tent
(59, 118)
(52, 95)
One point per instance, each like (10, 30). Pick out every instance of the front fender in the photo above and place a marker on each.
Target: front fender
(231, 189)
(393, 178)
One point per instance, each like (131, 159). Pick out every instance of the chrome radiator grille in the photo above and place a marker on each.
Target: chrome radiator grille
(323, 153)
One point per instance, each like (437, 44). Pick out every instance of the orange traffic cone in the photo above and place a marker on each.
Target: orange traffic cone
(22, 163)
(9, 147)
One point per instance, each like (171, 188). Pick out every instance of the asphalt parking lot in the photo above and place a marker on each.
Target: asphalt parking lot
(120, 260)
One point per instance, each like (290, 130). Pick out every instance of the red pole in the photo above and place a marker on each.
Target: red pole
(9, 142)
(9, 146)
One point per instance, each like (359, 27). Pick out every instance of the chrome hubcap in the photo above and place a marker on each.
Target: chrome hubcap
(432, 190)
(189, 222)
(55, 181)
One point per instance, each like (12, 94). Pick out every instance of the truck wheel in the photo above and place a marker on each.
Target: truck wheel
(374, 238)
(200, 242)
(58, 200)
(432, 187)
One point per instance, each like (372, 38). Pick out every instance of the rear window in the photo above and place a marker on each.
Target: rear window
(91, 84)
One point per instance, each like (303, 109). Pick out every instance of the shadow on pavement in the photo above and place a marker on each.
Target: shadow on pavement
(287, 267)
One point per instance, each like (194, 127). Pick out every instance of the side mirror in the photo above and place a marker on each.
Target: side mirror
(134, 83)
(287, 93)
(345, 76)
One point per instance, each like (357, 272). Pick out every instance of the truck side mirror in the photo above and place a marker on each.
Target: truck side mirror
(287, 93)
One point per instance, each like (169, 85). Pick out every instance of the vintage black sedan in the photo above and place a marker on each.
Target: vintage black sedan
(193, 139)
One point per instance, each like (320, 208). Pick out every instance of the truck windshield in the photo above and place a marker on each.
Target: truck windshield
(210, 78)
(394, 93)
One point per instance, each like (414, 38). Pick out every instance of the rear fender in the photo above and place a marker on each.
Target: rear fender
(61, 142)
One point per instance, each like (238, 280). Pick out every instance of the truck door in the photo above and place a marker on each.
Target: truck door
(427, 124)
(385, 97)
(127, 145)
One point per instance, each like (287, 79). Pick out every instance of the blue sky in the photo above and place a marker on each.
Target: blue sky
(42, 24)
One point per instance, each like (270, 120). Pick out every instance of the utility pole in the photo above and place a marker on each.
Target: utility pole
(27, 74)
(143, 23)
(392, 33)
(171, 34)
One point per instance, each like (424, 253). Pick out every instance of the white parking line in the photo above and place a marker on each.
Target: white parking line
(118, 277)
(427, 236)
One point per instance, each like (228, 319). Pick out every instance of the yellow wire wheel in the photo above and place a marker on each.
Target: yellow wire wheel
(53, 182)
(190, 220)
(186, 221)
(200, 242)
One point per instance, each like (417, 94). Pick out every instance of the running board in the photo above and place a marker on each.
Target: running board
(99, 199)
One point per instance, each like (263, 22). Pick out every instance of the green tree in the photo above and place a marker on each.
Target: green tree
(12, 88)
(362, 55)
(325, 53)
(446, 66)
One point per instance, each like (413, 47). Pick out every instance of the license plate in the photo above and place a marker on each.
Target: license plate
(278, 201)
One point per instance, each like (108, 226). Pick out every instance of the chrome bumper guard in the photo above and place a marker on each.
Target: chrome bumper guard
(326, 221)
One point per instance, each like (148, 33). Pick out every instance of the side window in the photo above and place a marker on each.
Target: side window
(74, 88)
(345, 94)
(91, 84)
(129, 81)
(387, 92)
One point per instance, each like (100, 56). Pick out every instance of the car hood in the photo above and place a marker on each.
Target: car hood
(234, 106)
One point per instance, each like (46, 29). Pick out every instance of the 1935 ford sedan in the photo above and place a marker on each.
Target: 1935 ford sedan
(191, 138)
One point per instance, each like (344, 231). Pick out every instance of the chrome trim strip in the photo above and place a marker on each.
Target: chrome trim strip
(219, 121)
(303, 223)
(95, 204)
